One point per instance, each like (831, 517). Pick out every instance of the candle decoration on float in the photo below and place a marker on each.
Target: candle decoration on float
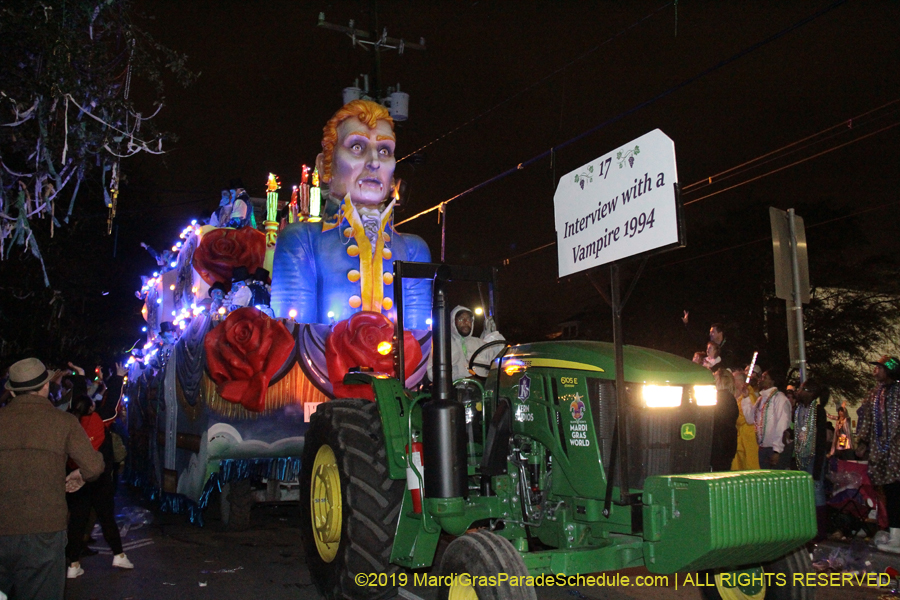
(315, 199)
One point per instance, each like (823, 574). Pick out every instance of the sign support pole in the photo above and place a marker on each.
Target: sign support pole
(797, 307)
(621, 407)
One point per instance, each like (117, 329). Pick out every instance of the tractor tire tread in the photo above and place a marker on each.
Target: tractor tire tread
(370, 499)
(483, 553)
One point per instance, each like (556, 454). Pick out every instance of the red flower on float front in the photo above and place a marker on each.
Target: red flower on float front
(221, 250)
(244, 353)
(355, 343)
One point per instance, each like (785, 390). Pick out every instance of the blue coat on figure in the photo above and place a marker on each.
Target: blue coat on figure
(334, 267)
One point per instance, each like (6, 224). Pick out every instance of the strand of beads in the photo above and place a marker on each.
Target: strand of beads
(761, 419)
(882, 441)
(806, 437)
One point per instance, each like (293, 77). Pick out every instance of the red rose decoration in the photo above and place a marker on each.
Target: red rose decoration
(243, 354)
(221, 250)
(354, 343)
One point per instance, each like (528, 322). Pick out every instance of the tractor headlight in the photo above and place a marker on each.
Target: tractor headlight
(705, 395)
(661, 396)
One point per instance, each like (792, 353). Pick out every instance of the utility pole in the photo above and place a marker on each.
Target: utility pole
(396, 101)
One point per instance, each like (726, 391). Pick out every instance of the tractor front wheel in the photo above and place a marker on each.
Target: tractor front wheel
(743, 585)
(349, 505)
(473, 559)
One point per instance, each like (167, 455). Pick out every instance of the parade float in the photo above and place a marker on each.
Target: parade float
(249, 330)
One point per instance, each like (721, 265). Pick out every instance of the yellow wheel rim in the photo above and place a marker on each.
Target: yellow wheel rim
(733, 588)
(325, 503)
(462, 592)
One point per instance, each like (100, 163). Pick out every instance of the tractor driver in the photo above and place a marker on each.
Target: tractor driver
(463, 344)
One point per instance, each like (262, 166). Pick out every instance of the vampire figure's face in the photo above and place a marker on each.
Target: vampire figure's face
(364, 162)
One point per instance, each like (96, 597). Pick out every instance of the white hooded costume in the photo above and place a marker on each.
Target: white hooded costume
(463, 347)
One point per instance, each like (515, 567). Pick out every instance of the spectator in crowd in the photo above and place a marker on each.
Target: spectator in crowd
(879, 435)
(790, 391)
(717, 335)
(726, 351)
(97, 495)
(811, 441)
(842, 442)
(73, 384)
(113, 384)
(712, 361)
(35, 441)
(747, 456)
(724, 444)
(699, 358)
(771, 415)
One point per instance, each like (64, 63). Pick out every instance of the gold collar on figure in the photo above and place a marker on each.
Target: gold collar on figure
(371, 266)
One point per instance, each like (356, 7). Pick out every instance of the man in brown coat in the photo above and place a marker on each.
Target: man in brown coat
(35, 441)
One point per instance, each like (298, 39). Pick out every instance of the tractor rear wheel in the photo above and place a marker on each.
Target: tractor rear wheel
(349, 505)
(779, 571)
(474, 558)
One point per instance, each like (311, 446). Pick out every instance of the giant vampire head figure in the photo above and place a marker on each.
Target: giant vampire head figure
(358, 153)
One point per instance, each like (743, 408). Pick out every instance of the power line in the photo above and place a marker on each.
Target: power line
(523, 165)
(842, 127)
(793, 164)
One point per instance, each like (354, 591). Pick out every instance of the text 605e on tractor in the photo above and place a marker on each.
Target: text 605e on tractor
(537, 471)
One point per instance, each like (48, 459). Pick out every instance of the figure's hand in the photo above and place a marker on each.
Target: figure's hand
(774, 458)
(143, 245)
(121, 371)
(77, 369)
(489, 325)
(74, 481)
(684, 319)
(56, 376)
(788, 436)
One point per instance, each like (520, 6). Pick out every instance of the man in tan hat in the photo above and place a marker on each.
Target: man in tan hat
(35, 440)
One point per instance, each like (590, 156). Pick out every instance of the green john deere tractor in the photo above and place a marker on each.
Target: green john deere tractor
(538, 470)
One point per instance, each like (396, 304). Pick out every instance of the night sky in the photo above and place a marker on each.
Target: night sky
(533, 75)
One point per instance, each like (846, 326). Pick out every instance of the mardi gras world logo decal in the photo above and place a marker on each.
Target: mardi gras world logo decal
(577, 408)
(578, 431)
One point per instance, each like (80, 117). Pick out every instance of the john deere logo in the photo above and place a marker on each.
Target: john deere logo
(688, 431)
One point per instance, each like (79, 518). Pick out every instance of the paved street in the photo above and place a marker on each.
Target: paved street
(175, 560)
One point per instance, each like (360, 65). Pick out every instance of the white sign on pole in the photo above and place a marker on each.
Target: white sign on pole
(619, 205)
